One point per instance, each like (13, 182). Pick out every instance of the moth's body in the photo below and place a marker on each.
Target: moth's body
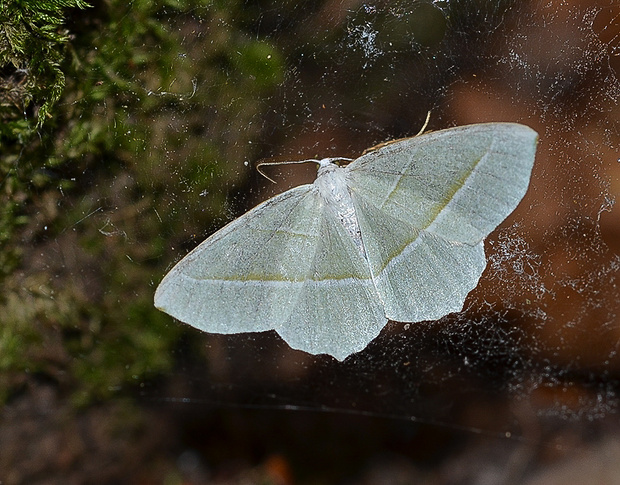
(331, 182)
(396, 234)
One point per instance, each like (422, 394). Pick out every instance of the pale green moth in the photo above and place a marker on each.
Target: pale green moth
(398, 234)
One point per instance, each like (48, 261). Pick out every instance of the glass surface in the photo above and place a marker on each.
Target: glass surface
(173, 107)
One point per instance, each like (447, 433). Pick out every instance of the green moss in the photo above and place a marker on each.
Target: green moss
(32, 42)
(155, 111)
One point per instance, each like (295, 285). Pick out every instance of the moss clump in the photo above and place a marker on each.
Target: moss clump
(104, 181)
(32, 48)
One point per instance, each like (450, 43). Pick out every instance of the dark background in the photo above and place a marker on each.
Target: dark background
(130, 132)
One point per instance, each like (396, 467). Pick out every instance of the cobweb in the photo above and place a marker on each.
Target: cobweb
(542, 330)
(537, 341)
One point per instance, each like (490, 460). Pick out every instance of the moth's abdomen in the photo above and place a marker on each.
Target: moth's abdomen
(333, 189)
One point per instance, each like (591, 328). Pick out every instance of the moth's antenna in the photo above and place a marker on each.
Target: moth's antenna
(428, 118)
(386, 143)
(286, 162)
(324, 161)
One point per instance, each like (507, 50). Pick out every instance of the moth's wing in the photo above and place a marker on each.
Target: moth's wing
(459, 184)
(425, 205)
(338, 310)
(246, 276)
(418, 275)
(285, 266)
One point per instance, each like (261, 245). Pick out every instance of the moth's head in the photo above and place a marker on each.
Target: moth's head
(332, 163)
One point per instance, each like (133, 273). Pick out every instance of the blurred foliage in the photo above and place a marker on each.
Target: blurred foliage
(154, 97)
(32, 47)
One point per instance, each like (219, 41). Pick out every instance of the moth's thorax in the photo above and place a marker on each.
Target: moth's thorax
(332, 186)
